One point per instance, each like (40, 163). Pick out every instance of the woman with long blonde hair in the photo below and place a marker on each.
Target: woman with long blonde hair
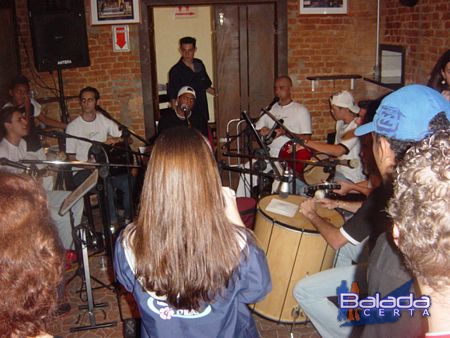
(188, 259)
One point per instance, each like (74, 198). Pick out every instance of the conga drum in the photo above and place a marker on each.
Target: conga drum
(294, 249)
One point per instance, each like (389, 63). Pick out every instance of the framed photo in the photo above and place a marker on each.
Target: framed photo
(112, 12)
(323, 6)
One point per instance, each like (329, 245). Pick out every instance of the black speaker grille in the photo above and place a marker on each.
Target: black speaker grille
(59, 39)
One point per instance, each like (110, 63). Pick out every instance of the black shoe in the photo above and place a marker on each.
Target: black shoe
(63, 309)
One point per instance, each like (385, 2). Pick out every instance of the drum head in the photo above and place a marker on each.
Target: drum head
(298, 222)
(315, 174)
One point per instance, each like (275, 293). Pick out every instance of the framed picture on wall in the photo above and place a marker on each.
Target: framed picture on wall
(323, 6)
(112, 12)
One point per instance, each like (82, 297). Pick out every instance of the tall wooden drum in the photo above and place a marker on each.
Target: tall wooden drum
(294, 249)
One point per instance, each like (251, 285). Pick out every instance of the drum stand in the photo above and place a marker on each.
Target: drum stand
(79, 235)
(91, 306)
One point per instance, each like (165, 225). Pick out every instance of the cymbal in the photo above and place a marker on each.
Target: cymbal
(78, 163)
(44, 100)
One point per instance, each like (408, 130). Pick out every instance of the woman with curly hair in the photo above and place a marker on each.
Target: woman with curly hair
(188, 259)
(31, 258)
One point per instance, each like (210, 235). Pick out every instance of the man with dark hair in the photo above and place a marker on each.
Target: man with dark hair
(404, 118)
(13, 129)
(94, 126)
(420, 209)
(20, 97)
(189, 71)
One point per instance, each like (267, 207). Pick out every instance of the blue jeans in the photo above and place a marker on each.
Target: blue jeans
(120, 183)
(312, 292)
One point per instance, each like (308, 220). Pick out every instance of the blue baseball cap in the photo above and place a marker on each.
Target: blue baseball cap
(405, 114)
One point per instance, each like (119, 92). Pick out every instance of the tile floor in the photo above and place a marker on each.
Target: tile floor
(100, 269)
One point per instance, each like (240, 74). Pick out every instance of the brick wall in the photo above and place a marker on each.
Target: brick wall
(116, 75)
(329, 45)
(424, 31)
(318, 45)
(344, 44)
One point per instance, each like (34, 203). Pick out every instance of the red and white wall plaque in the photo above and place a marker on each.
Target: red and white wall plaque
(121, 38)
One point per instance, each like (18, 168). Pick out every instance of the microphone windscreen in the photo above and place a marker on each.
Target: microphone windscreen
(184, 108)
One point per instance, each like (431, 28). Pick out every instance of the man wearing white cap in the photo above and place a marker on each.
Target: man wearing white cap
(181, 113)
(346, 145)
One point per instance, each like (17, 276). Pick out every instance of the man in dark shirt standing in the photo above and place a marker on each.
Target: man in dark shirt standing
(189, 71)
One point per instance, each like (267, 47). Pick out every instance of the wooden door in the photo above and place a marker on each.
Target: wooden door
(277, 17)
(245, 47)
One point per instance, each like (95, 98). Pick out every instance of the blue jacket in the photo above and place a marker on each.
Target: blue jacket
(228, 316)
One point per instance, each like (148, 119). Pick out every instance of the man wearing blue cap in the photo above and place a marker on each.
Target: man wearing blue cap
(404, 118)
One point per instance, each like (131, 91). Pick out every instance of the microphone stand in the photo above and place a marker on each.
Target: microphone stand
(122, 126)
(294, 139)
(262, 145)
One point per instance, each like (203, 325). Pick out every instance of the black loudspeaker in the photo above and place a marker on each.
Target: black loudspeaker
(58, 32)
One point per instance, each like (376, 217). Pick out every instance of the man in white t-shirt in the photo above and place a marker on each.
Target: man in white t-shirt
(13, 128)
(295, 117)
(95, 126)
(346, 145)
(19, 93)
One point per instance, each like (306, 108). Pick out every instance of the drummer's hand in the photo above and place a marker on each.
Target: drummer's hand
(91, 159)
(279, 132)
(264, 131)
(326, 203)
(346, 187)
(113, 140)
(61, 156)
(308, 208)
(297, 148)
(231, 209)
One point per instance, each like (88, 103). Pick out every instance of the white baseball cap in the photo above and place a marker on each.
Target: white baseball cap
(345, 100)
(186, 89)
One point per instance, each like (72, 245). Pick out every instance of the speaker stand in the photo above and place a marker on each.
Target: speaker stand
(62, 177)
(62, 99)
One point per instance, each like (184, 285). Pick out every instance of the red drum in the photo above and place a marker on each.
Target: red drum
(301, 154)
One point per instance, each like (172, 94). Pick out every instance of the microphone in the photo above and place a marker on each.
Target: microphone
(283, 191)
(6, 162)
(272, 133)
(353, 163)
(275, 100)
(184, 108)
